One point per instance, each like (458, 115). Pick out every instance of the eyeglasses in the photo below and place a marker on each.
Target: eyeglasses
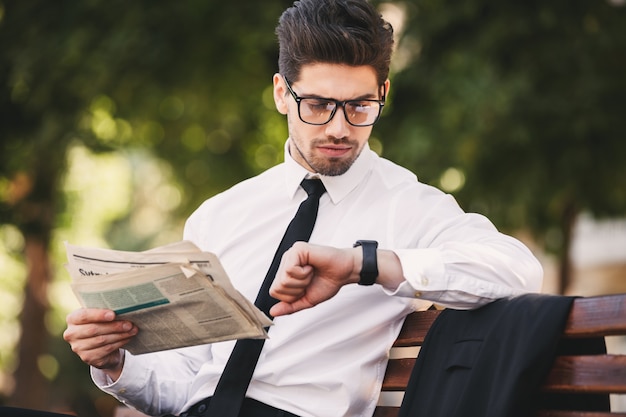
(319, 110)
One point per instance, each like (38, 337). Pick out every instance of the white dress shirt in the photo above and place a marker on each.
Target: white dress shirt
(329, 361)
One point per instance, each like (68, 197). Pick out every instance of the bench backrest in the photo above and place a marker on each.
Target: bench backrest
(579, 375)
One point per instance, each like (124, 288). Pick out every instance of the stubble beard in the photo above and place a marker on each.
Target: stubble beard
(328, 166)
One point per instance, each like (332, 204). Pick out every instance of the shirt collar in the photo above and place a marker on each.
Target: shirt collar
(337, 186)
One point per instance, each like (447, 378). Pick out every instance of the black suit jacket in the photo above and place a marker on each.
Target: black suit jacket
(490, 362)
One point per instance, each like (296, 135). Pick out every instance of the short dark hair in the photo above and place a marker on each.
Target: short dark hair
(350, 32)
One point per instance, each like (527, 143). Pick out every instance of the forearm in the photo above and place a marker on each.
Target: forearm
(457, 274)
(467, 275)
(155, 383)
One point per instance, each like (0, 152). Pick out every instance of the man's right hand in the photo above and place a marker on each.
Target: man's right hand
(97, 338)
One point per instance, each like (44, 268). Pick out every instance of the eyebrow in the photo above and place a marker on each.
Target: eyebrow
(365, 96)
(361, 97)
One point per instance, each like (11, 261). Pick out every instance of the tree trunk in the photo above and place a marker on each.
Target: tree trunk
(31, 387)
(570, 214)
(34, 206)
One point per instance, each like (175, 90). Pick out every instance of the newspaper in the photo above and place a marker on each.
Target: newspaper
(177, 295)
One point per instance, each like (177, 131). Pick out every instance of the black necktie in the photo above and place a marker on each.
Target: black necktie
(233, 384)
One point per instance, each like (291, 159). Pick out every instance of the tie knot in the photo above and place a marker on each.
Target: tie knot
(313, 186)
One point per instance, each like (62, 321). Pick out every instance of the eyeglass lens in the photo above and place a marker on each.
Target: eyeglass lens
(357, 112)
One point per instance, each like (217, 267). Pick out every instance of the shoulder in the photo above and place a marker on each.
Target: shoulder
(404, 192)
(397, 178)
(234, 202)
(253, 187)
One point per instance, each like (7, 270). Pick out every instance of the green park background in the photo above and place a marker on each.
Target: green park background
(118, 118)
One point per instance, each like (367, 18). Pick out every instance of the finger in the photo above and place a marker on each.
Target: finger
(106, 357)
(105, 344)
(287, 293)
(294, 276)
(96, 350)
(293, 279)
(90, 315)
(294, 257)
(100, 331)
(287, 296)
(289, 286)
(297, 272)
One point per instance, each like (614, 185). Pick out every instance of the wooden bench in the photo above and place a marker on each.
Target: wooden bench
(590, 317)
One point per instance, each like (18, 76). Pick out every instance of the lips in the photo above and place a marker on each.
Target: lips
(335, 151)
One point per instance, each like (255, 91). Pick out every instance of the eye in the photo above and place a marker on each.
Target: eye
(363, 106)
(319, 105)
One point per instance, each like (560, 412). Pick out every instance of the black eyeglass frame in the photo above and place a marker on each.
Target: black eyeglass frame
(338, 103)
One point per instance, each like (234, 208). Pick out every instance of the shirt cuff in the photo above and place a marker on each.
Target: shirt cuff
(128, 384)
(424, 271)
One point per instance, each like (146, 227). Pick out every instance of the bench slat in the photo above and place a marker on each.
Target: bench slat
(597, 316)
(393, 412)
(398, 373)
(589, 317)
(592, 374)
(386, 412)
(415, 327)
(555, 413)
(597, 374)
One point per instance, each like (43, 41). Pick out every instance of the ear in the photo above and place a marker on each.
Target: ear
(280, 95)
(387, 84)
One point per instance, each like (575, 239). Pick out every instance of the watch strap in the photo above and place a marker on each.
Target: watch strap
(369, 268)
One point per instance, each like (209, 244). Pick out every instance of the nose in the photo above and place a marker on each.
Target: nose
(338, 126)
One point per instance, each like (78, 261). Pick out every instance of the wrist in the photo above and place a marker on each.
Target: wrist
(115, 370)
(357, 263)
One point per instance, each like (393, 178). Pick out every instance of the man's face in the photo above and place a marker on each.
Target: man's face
(331, 148)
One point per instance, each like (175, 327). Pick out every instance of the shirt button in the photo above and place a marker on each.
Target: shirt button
(424, 281)
(418, 294)
(122, 391)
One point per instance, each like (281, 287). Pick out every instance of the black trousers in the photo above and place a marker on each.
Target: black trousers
(24, 412)
(250, 408)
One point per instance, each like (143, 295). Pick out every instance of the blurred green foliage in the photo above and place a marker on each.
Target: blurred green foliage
(526, 99)
(118, 118)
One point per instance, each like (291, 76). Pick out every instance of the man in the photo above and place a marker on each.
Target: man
(329, 358)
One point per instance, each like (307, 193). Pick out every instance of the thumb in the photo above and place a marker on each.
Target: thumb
(283, 308)
(280, 309)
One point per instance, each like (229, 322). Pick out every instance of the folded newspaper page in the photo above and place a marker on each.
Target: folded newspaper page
(177, 295)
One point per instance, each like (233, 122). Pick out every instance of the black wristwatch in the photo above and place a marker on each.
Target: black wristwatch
(369, 270)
